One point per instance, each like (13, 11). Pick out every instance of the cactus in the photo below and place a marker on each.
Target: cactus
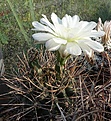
(37, 94)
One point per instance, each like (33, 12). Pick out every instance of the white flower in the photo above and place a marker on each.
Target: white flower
(106, 27)
(69, 35)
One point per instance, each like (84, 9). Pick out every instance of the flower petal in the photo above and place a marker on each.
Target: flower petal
(95, 45)
(95, 33)
(75, 20)
(55, 19)
(46, 22)
(63, 52)
(87, 50)
(73, 48)
(40, 27)
(61, 31)
(87, 25)
(42, 36)
(59, 40)
(64, 21)
(51, 45)
(67, 21)
(91, 25)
